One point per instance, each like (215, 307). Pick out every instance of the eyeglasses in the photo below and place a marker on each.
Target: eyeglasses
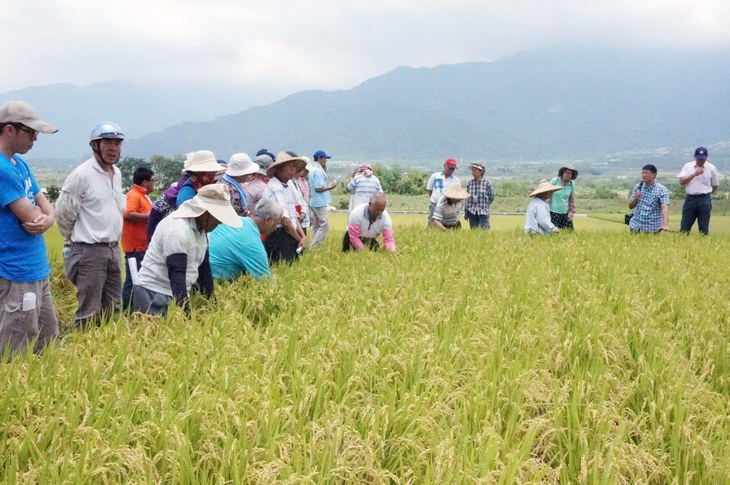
(30, 131)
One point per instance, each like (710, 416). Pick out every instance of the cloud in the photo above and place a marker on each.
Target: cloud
(324, 44)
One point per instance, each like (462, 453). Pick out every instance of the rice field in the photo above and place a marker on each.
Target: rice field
(592, 357)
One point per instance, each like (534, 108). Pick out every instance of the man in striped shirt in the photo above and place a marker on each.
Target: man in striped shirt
(439, 182)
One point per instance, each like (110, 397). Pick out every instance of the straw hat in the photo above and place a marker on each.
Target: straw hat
(568, 167)
(283, 158)
(213, 199)
(240, 164)
(202, 161)
(543, 187)
(455, 192)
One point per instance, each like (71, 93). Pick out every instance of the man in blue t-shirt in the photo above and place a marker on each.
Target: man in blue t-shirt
(27, 313)
(234, 252)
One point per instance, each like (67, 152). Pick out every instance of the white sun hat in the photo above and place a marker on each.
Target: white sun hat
(240, 164)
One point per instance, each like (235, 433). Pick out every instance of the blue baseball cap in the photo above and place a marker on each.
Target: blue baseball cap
(701, 153)
(321, 153)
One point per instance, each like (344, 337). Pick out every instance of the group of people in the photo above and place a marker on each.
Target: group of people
(219, 221)
(222, 220)
(551, 209)
(553, 205)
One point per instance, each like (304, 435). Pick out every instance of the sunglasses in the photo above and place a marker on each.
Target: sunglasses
(33, 133)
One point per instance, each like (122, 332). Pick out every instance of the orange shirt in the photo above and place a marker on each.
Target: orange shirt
(134, 234)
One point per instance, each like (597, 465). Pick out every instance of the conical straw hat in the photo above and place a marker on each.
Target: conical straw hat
(544, 186)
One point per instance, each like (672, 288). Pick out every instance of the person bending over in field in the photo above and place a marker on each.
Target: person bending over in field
(537, 218)
(651, 200)
(176, 256)
(366, 223)
(234, 252)
(449, 208)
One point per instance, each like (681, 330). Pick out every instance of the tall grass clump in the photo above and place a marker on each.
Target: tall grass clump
(592, 357)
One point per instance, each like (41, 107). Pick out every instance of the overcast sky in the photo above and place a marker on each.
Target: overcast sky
(326, 44)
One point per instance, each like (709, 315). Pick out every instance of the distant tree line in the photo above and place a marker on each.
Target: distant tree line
(167, 170)
(397, 181)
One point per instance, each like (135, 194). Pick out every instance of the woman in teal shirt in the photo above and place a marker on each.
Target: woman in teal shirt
(562, 205)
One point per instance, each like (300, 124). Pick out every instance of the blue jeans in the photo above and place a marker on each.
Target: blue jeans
(127, 288)
(477, 220)
(696, 207)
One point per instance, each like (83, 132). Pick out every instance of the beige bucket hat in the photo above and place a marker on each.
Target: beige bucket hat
(283, 158)
(455, 192)
(25, 114)
(202, 161)
(213, 199)
(240, 164)
(543, 187)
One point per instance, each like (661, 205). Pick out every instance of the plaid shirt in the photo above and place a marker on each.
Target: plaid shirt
(481, 195)
(281, 193)
(648, 212)
(255, 190)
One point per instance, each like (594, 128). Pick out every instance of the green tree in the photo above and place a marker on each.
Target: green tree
(167, 170)
(52, 192)
(127, 166)
(413, 182)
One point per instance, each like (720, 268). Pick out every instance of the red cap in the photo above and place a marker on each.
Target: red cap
(451, 162)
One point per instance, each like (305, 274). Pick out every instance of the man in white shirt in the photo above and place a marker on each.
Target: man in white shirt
(89, 213)
(701, 181)
(537, 216)
(439, 182)
(366, 223)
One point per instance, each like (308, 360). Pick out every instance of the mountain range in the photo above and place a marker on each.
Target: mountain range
(562, 102)
(557, 103)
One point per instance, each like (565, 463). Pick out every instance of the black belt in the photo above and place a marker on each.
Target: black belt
(698, 195)
(106, 244)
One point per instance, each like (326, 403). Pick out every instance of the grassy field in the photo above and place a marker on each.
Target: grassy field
(591, 357)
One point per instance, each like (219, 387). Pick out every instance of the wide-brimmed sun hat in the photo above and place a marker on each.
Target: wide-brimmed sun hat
(543, 187)
(283, 158)
(568, 167)
(202, 161)
(25, 114)
(455, 192)
(309, 165)
(240, 164)
(213, 199)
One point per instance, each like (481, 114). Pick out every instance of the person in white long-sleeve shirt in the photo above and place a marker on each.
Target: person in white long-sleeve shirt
(537, 220)
(89, 213)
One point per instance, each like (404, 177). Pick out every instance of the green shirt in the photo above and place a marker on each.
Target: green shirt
(559, 202)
